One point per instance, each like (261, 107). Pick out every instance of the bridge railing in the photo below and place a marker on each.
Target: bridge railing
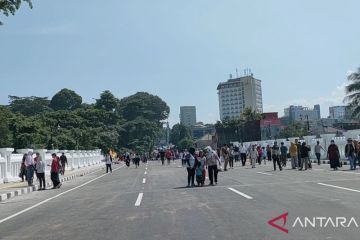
(10, 160)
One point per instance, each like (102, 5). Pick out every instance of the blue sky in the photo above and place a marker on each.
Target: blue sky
(302, 50)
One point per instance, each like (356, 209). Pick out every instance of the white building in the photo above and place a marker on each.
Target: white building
(188, 115)
(237, 94)
(337, 112)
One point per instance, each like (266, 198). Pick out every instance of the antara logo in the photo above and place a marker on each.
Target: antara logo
(314, 222)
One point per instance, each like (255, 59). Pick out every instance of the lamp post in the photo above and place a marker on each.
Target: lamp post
(53, 129)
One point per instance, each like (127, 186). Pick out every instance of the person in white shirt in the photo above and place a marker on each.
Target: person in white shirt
(30, 168)
(253, 155)
(40, 169)
(243, 152)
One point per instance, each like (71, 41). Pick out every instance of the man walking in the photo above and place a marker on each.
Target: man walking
(29, 164)
(243, 154)
(298, 146)
(283, 156)
(304, 153)
(317, 150)
(63, 161)
(108, 162)
(254, 154)
(276, 155)
(350, 153)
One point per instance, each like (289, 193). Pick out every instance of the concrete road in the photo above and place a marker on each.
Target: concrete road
(151, 202)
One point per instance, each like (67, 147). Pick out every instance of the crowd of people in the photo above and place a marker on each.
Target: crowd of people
(199, 161)
(35, 166)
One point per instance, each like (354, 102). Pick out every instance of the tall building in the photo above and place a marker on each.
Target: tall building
(337, 112)
(188, 115)
(300, 113)
(237, 94)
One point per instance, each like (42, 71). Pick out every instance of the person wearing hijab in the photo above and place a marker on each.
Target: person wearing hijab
(333, 154)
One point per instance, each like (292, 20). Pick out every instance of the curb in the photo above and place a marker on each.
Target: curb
(328, 162)
(26, 190)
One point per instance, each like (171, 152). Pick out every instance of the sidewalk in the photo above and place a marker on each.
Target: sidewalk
(10, 190)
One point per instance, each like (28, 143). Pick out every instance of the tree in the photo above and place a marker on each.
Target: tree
(186, 143)
(8, 7)
(5, 132)
(66, 99)
(353, 93)
(293, 130)
(107, 101)
(143, 104)
(178, 133)
(28, 106)
(250, 115)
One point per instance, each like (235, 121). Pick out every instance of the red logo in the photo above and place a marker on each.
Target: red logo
(281, 228)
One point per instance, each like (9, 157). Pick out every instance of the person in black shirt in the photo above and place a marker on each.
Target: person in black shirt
(63, 161)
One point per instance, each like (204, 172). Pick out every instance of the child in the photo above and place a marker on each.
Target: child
(199, 174)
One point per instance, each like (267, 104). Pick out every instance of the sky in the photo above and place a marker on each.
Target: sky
(302, 50)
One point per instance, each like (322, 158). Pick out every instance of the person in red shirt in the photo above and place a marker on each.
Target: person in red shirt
(168, 156)
(54, 172)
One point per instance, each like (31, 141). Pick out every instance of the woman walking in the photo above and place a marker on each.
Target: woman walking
(54, 172)
(191, 164)
(40, 170)
(333, 155)
(212, 160)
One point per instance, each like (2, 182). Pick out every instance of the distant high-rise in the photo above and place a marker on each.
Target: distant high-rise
(237, 94)
(188, 115)
(337, 112)
(300, 113)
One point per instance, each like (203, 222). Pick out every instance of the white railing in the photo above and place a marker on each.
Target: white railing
(10, 162)
(312, 141)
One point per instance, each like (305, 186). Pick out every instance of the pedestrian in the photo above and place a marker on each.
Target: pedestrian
(264, 155)
(212, 161)
(191, 164)
(243, 152)
(283, 154)
(225, 155)
(260, 153)
(22, 173)
(168, 155)
(162, 156)
(236, 153)
(317, 150)
(40, 170)
(333, 154)
(202, 160)
(298, 147)
(268, 152)
(293, 155)
(350, 153)
(54, 172)
(231, 158)
(63, 161)
(127, 159)
(254, 154)
(30, 168)
(304, 153)
(137, 160)
(108, 162)
(275, 151)
(357, 153)
(199, 172)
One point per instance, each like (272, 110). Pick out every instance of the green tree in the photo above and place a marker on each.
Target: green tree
(66, 99)
(186, 143)
(143, 104)
(178, 133)
(5, 133)
(28, 106)
(8, 7)
(250, 115)
(107, 101)
(293, 130)
(353, 93)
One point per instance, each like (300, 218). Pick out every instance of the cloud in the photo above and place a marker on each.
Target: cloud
(335, 97)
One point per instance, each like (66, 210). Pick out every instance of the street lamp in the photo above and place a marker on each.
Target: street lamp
(53, 129)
